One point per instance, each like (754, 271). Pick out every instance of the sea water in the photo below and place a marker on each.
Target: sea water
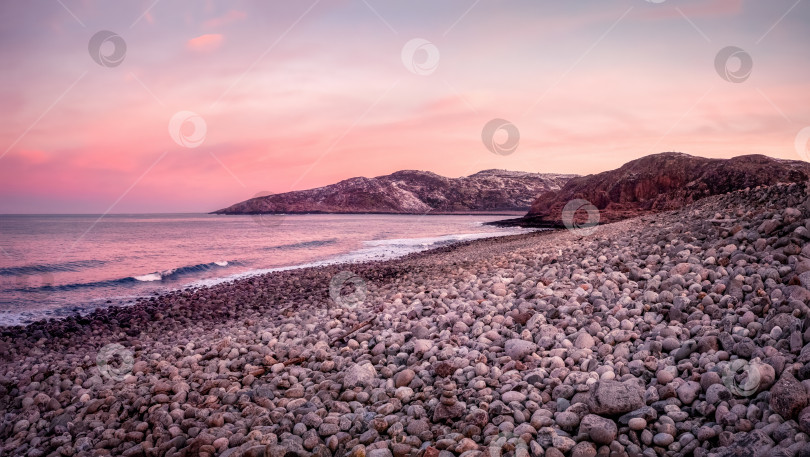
(58, 265)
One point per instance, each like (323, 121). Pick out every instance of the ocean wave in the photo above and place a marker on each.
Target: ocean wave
(36, 269)
(77, 285)
(182, 271)
(170, 274)
(303, 244)
(149, 277)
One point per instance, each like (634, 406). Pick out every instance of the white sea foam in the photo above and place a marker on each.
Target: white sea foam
(371, 251)
(149, 277)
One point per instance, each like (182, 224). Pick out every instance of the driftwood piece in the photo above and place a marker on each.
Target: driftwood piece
(354, 330)
(261, 371)
(295, 360)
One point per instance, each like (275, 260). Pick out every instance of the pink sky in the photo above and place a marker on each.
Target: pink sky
(302, 94)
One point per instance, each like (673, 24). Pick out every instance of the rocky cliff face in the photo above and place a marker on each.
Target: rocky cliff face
(412, 192)
(661, 182)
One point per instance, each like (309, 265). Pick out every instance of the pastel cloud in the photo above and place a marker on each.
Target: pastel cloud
(226, 19)
(205, 43)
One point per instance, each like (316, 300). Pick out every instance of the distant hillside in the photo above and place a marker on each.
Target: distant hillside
(661, 182)
(412, 192)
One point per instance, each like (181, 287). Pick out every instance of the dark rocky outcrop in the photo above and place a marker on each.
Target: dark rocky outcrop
(661, 182)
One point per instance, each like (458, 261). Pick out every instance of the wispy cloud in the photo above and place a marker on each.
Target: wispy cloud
(205, 43)
(228, 18)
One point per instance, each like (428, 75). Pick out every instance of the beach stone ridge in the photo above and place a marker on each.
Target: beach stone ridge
(683, 333)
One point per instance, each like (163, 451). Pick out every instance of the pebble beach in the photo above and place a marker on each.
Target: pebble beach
(684, 333)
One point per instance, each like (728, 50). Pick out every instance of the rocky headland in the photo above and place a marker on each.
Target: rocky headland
(412, 192)
(659, 182)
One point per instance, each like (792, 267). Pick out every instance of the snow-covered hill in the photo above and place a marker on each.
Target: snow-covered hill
(412, 192)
